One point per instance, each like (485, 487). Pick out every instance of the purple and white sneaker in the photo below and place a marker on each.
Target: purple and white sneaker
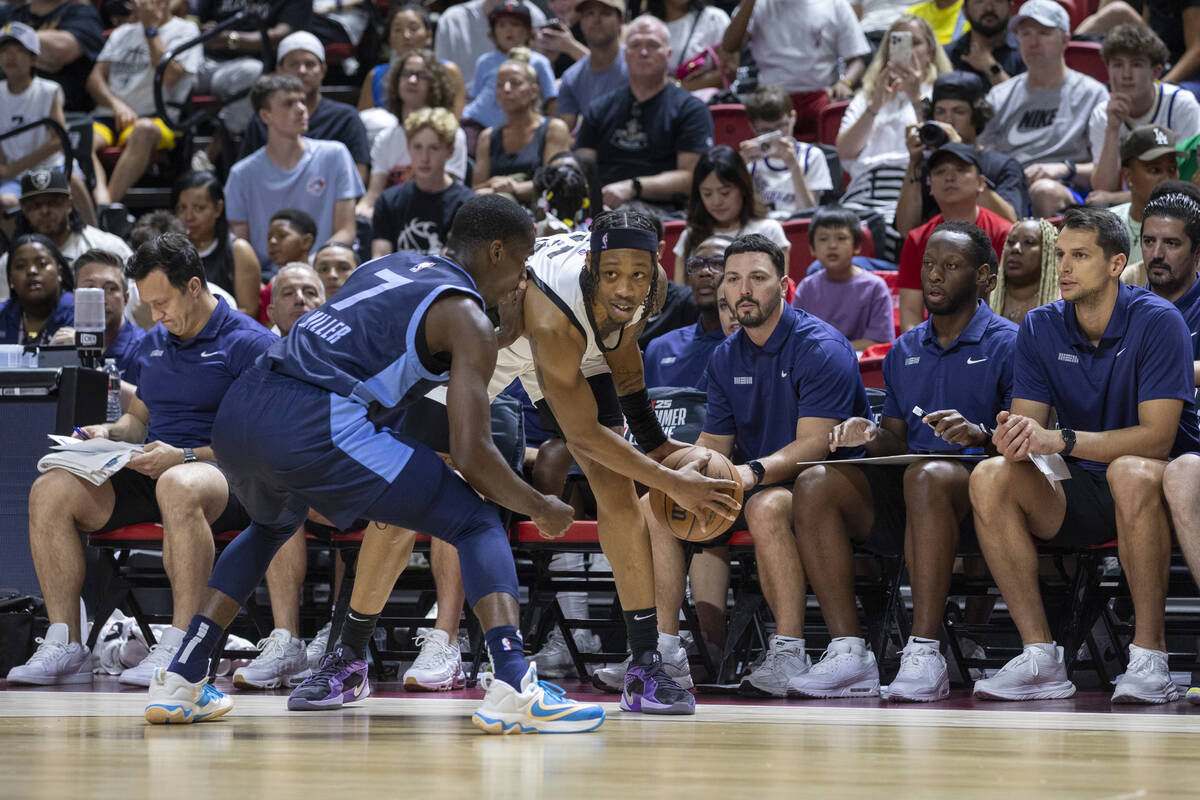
(649, 689)
(341, 679)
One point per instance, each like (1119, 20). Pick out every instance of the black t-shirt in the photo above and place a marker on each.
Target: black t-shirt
(296, 13)
(632, 139)
(81, 21)
(1004, 175)
(1009, 58)
(334, 121)
(1166, 19)
(410, 219)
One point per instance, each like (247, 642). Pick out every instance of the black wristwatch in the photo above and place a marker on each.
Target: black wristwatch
(995, 69)
(759, 471)
(1068, 441)
(637, 188)
(189, 455)
(151, 32)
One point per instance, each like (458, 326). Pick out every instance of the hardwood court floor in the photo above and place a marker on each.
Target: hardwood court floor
(70, 744)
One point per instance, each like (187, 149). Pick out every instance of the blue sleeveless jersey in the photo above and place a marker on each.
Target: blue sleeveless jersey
(362, 343)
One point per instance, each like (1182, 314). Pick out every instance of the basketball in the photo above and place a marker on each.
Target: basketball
(681, 522)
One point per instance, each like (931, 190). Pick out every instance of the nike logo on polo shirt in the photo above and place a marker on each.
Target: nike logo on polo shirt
(976, 360)
(209, 355)
(1194, 334)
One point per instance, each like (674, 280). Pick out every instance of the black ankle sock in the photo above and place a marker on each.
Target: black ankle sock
(357, 630)
(642, 628)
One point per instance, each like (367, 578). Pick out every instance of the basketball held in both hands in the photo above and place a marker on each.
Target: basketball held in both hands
(683, 523)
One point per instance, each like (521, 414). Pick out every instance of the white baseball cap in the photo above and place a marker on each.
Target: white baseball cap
(300, 40)
(23, 35)
(1044, 12)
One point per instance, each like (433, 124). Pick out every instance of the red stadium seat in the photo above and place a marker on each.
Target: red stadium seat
(830, 121)
(870, 364)
(731, 126)
(1085, 57)
(801, 255)
(671, 232)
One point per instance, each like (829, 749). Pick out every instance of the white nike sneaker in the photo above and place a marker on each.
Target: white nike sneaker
(174, 701)
(782, 662)
(160, 657)
(538, 708)
(847, 669)
(56, 661)
(282, 660)
(1147, 679)
(554, 659)
(674, 661)
(923, 676)
(438, 667)
(316, 648)
(1033, 675)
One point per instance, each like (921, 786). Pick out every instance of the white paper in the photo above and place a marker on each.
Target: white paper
(1053, 466)
(905, 458)
(94, 460)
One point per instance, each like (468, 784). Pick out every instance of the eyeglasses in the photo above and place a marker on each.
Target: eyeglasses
(409, 74)
(714, 266)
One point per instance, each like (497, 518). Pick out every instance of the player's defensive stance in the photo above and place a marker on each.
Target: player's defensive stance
(293, 432)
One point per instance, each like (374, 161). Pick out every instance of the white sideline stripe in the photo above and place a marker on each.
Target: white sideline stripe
(87, 704)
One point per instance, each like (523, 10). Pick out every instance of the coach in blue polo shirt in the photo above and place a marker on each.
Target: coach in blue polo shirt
(1114, 363)
(188, 362)
(946, 380)
(776, 388)
(679, 357)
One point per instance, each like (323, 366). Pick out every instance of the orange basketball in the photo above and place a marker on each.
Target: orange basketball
(683, 523)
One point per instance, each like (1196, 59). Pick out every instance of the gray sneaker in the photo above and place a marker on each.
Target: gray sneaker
(782, 662)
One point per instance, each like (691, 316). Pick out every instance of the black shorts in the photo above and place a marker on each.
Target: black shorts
(136, 503)
(1091, 516)
(740, 524)
(886, 536)
(608, 407)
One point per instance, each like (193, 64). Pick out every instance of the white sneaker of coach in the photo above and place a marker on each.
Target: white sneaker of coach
(283, 660)
(438, 667)
(160, 656)
(1147, 679)
(847, 669)
(923, 677)
(1036, 674)
(783, 661)
(554, 659)
(56, 661)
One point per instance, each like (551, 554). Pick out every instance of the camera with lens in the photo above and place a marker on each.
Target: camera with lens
(932, 135)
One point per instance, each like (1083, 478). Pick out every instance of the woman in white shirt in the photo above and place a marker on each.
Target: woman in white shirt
(694, 26)
(871, 141)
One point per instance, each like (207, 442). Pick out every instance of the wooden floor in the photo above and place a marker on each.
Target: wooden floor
(60, 744)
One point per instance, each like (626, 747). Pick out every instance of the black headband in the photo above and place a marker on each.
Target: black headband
(624, 239)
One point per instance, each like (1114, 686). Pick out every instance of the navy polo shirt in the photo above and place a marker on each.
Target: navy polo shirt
(182, 383)
(124, 349)
(679, 357)
(805, 369)
(10, 320)
(1144, 354)
(1189, 307)
(973, 376)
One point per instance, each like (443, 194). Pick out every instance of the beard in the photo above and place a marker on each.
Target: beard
(986, 29)
(756, 317)
(1168, 284)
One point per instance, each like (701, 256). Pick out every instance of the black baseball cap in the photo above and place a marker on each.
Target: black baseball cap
(966, 86)
(511, 8)
(44, 181)
(963, 152)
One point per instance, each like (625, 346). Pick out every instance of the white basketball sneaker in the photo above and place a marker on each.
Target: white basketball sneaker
(1147, 679)
(1035, 674)
(282, 660)
(847, 669)
(783, 661)
(56, 661)
(923, 676)
(538, 707)
(438, 667)
(160, 657)
(175, 701)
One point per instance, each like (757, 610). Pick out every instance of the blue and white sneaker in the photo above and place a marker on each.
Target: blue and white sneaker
(175, 701)
(539, 707)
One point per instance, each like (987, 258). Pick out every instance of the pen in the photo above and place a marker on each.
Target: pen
(82, 435)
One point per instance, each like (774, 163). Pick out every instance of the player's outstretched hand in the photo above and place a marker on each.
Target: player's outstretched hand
(511, 309)
(701, 494)
(555, 520)
(854, 432)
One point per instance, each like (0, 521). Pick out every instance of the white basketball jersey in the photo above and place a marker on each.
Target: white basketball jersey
(555, 268)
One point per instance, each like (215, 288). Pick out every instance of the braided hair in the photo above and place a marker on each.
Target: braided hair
(1048, 290)
(563, 193)
(611, 220)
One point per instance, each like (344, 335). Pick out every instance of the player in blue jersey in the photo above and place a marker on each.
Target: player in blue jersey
(400, 325)
(947, 379)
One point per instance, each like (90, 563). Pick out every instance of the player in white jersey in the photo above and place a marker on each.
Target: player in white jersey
(587, 300)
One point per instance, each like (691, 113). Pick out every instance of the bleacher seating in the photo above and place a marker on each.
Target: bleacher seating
(731, 126)
(1085, 57)
(830, 121)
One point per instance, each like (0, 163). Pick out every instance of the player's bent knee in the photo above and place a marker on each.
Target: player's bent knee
(53, 492)
(1133, 479)
(991, 481)
(769, 509)
(188, 488)
(1181, 477)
